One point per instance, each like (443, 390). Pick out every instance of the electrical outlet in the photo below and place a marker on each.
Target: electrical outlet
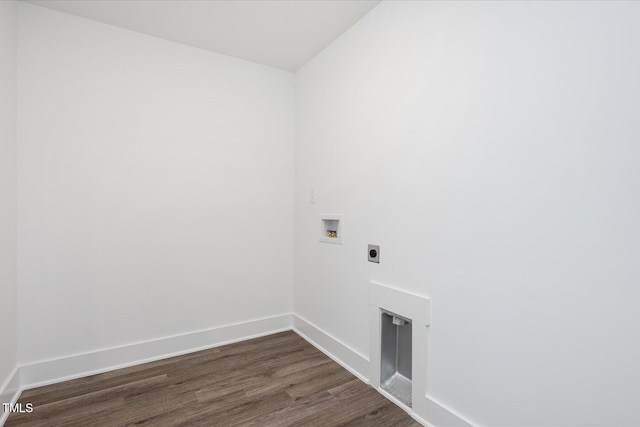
(374, 253)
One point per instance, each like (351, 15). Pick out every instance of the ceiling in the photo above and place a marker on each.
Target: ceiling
(279, 33)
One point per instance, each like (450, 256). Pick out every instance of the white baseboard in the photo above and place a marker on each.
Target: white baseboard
(82, 365)
(9, 393)
(344, 355)
(440, 415)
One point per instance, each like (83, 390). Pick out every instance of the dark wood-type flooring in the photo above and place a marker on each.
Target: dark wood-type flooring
(277, 380)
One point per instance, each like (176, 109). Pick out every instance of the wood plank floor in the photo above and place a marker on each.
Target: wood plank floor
(277, 380)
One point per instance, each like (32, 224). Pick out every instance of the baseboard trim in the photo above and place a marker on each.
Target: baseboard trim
(82, 365)
(440, 415)
(9, 393)
(341, 353)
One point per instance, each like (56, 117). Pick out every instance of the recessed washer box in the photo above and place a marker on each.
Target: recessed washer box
(331, 228)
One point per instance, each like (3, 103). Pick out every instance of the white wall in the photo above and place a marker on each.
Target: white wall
(155, 186)
(8, 242)
(491, 149)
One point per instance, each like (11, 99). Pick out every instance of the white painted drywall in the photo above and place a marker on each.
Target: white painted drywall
(491, 149)
(155, 183)
(8, 198)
